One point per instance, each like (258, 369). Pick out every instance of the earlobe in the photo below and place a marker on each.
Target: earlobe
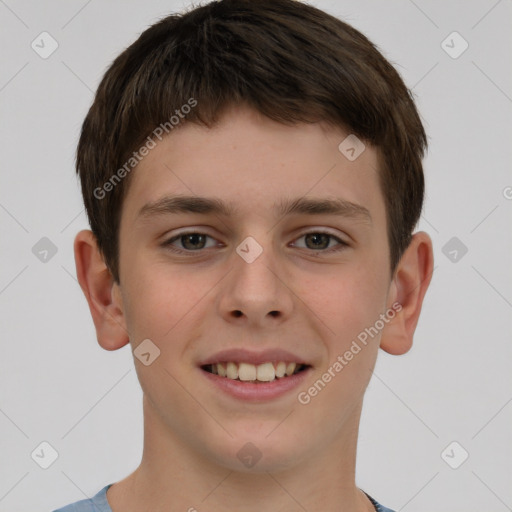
(410, 283)
(101, 292)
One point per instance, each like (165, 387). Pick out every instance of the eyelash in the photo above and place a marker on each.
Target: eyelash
(341, 244)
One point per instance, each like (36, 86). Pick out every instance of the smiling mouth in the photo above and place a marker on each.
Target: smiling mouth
(246, 372)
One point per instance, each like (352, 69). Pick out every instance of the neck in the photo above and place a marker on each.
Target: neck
(174, 477)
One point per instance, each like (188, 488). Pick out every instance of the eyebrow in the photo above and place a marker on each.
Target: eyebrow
(302, 205)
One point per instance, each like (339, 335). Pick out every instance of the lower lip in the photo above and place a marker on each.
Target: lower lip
(257, 392)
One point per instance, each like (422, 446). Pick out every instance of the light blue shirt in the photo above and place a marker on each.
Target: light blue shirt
(99, 503)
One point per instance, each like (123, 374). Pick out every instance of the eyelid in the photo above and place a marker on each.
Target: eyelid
(320, 230)
(168, 241)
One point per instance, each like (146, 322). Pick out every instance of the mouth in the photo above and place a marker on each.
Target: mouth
(256, 377)
(255, 373)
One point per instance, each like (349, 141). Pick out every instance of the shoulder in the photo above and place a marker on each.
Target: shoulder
(97, 503)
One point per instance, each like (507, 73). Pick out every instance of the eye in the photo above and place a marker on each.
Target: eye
(195, 241)
(320, 240)
(189, 242)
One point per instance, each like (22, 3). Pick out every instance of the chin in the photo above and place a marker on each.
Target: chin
(257, 453)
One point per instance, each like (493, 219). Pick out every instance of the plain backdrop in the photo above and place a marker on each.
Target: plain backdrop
(448, 398)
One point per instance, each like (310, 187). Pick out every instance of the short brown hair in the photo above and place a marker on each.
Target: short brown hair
(288, 60)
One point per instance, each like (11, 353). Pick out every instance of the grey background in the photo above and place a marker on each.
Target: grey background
(57, 385)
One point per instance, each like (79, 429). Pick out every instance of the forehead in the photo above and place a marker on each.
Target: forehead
(254, 163)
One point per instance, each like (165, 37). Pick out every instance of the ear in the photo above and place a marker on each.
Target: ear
(408, 287)
(103, 294)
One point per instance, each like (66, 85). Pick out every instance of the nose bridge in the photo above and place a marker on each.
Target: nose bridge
(255, 287)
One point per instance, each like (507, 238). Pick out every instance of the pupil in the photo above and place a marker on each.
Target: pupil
(194, 238)
(318, 237)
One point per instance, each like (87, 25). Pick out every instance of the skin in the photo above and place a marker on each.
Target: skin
(306, 300)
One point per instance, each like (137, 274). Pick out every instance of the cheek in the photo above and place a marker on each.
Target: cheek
(166, 305)
(347, 300)
(347, 306)
(156, 305)
(162, 308)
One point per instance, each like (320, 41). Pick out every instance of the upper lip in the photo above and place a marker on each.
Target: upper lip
(241, 355)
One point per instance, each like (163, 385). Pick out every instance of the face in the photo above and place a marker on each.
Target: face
(263, 256)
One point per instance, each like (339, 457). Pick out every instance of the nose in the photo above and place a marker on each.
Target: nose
(256, 292)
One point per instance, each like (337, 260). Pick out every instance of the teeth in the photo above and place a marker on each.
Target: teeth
(280, 369)
(290, 368)
(232, 371)
(221, 369)
(265, 372)
(246, 371)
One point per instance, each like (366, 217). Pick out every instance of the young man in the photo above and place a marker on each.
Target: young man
(252, 173)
